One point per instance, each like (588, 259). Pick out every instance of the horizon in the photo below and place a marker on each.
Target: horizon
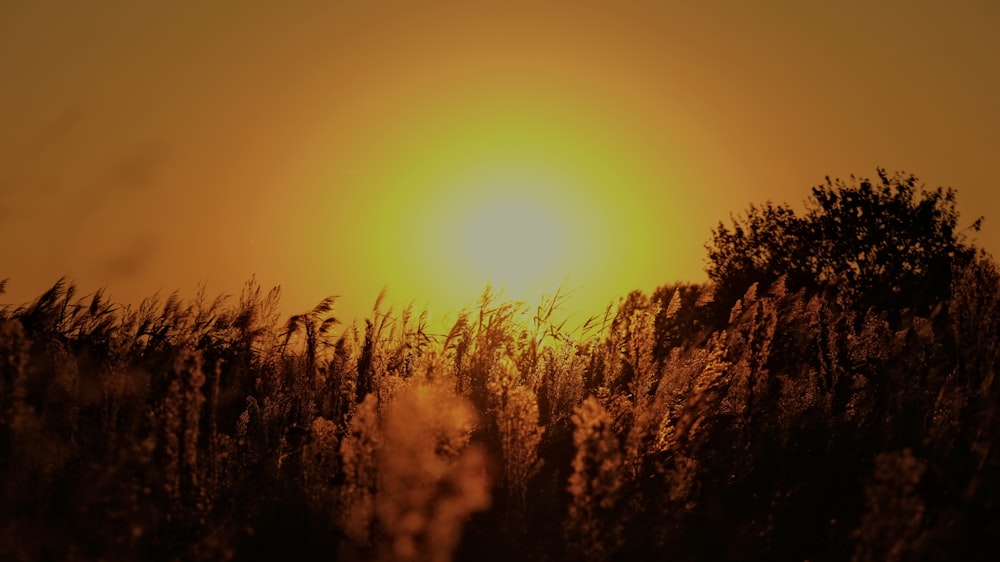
(343, 149)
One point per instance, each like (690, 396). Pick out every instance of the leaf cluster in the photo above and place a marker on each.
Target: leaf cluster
(887, 243)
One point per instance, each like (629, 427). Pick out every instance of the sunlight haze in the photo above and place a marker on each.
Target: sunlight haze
(336, 148)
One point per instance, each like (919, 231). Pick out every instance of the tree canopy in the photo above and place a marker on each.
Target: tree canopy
(888, 243)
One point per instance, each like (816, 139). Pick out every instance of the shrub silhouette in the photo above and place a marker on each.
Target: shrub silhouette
(886, 243)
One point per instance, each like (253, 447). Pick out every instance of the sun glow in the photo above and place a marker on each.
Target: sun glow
(525, 192)
(512, 242)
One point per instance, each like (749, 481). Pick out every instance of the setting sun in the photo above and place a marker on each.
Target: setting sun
(513, 242)
(531, 192)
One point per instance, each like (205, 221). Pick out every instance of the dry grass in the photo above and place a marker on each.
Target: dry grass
(211, 430)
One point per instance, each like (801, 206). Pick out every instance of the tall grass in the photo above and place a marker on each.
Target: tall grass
(211, 429)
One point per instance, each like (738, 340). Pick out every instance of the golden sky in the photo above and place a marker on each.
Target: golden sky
(429, 147)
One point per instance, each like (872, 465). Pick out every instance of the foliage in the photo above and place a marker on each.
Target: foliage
(887, 243)
(595, 484)
(803, 424)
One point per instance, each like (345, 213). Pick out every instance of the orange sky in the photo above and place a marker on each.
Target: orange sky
(339, 147)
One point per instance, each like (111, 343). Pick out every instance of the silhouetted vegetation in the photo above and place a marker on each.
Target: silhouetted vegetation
(844, 408)
(890, 244)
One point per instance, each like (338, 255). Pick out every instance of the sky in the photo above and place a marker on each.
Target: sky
(427, 148)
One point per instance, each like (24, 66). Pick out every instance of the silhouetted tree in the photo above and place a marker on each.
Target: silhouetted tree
(887, 243)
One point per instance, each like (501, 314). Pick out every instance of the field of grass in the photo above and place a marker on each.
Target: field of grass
(798, 428)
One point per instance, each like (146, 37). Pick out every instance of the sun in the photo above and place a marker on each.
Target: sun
(512, 242)
(528, 193)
